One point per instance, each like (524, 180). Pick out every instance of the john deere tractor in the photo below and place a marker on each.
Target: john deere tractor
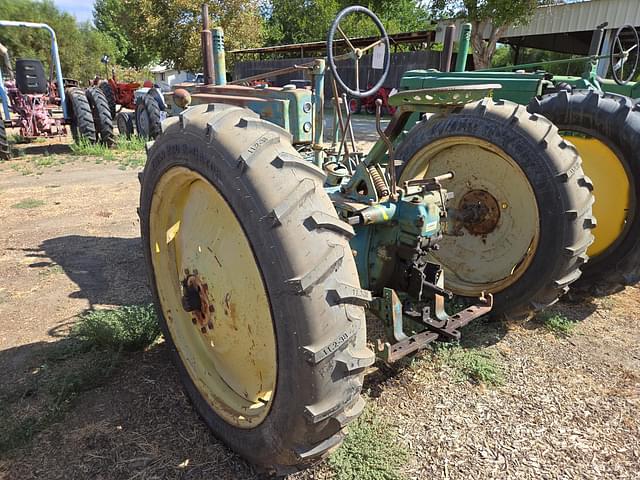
(265, 247)
(604, 127)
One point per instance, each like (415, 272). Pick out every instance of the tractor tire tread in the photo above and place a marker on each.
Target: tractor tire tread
(615, 120)
(325, 393)
(109, 94)
(533, 291)
(82, 124)
(102, 118)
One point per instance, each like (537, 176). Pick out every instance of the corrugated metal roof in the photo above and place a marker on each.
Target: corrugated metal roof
(570, 17)
(577, 17)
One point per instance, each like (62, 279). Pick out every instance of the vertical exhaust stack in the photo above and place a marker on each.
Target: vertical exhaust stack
(218, 56)
(463, 47)
(207, 47)
(447, 50)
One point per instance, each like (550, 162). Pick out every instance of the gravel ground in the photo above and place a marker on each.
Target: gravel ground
(568, 406)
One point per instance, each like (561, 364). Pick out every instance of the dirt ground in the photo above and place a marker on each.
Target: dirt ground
(567, 409)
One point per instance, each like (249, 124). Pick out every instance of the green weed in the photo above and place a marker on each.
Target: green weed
(371, 451)
(127, 328)
(471, 364)
(28, 203)
(51, 270)
(558, 324)
(133, 144)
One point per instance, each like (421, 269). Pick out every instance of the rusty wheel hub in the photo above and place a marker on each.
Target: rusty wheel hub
(479, 212)
(195, 300)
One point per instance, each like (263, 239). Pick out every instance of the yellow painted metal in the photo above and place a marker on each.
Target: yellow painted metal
(611, 189)
(494, 261)
(234, 364)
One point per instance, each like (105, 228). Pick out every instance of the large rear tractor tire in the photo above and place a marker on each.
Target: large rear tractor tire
(521, 214)
(5, 149)
(255, 285)
(101, 116)
(110, 95)
(82, 126)
(605, 129)
(148, 117)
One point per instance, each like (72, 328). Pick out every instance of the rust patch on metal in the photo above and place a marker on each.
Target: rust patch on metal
(195, 300)
(479, 212)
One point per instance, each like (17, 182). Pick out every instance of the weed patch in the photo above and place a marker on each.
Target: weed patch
(558, 324)
(28, 203)
(371, 451)
(471, 364)
(63, 370)
(127, 328)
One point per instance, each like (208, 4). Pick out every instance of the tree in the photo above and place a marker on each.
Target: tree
(81, 46)
(293, 21)
(494, 16)
(168, 31)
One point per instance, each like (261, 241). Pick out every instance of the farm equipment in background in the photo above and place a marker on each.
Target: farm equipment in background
(368, 104)
(604, 128)
(263, 245)
(40, 108)
(119, 93)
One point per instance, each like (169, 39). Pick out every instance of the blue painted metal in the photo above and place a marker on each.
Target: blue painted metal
(4, 99)
(55, 57)
(219, 64)
(393, 223)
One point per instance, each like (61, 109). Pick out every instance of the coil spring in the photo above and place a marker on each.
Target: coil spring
(378, 182)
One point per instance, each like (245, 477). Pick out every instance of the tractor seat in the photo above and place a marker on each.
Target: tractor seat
(30, 77)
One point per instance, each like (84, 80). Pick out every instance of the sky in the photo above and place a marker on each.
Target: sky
(82, 9)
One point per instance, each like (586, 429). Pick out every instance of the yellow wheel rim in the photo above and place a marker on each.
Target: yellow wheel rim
(229, 351)
(492, 252)
(611, 189)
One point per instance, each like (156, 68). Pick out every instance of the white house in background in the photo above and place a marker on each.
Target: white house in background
(166, 76)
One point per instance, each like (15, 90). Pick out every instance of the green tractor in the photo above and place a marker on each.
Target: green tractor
(603, 126)
(265, 247)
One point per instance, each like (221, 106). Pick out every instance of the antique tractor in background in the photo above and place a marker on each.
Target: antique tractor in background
(40, 107)
(264, 246)
(603, 126)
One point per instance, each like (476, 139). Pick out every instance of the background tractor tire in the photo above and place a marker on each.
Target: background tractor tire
(606, 130)
(82, 126)
(5, 149)
(148, 117)
(302, 252)
(522, 200)
(124, 122)
(101, 116)
(110, 95)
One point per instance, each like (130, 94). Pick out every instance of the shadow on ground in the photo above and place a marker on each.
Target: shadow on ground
(134, 423)
(107, 270)
(52, 149)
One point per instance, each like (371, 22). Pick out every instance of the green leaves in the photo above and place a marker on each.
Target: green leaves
(81, 46)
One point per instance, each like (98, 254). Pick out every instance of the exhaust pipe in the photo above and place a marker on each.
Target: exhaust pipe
(207, 47)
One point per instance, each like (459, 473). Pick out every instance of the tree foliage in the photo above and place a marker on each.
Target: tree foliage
(81, 46)
(293, 21)
(168, 31)
(492, 17)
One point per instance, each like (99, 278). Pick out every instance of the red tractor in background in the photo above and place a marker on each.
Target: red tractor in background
(119, 93)
(368, 104)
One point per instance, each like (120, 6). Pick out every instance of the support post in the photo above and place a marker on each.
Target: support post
(463, 47)
(218, 56)
(447, 50)
(207, 51)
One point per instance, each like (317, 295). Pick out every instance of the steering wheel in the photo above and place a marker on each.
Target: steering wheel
(357, 53)
(624, 48)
